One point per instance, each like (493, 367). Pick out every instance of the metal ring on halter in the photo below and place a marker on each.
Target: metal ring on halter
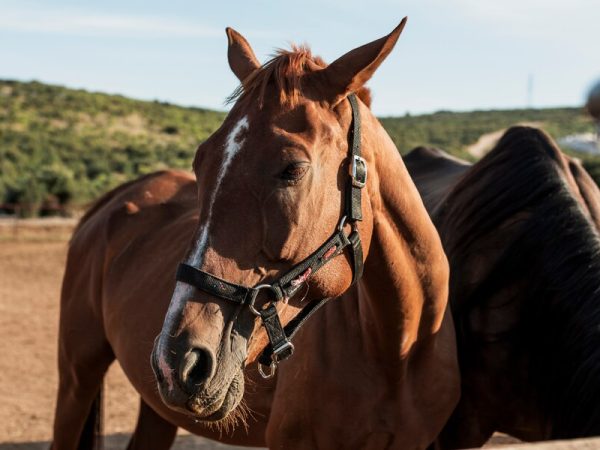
(272, 370)
(342, 223)
(255, 311)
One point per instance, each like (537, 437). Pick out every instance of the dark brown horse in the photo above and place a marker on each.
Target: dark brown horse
(434, 172)
(374, 368)
(520, 229)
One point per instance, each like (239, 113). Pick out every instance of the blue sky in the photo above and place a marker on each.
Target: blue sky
(453, 54)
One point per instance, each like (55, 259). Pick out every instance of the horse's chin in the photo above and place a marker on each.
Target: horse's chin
(219, 405)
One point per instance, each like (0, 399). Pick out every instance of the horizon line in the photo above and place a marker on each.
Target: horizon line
(225, 111)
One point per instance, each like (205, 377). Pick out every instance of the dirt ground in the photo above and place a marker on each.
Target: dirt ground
(31, 268)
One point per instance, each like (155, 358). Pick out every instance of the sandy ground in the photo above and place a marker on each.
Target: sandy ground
(31, 269)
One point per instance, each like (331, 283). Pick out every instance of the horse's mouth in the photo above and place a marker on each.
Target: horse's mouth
(220, 404)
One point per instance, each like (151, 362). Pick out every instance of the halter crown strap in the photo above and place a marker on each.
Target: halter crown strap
(358, 167)
(285, 287)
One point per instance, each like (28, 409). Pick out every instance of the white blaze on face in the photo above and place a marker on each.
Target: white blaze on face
(232, 147)
(183, 291)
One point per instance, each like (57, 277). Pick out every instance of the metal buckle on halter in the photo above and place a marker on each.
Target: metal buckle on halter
(359, 180)
(282, 352)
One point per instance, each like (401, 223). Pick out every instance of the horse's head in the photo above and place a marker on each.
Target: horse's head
(271, 184)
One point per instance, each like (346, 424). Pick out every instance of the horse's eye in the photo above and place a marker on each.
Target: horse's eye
(294, 172)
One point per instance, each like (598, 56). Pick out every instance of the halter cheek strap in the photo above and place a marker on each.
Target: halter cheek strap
(285, 287)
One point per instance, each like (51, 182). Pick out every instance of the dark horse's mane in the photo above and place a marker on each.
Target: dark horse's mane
(548, 248)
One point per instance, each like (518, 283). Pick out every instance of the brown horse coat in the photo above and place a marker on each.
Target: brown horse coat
(120, 266)
(520, 229)
(375, 368)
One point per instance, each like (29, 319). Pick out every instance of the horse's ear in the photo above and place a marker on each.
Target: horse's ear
(350, 72)
(240, 55)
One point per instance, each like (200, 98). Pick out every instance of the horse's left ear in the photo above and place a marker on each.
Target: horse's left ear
(242, 59)
(350, 72)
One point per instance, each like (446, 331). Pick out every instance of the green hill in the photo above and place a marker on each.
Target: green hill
(454, 131)
(62, 147)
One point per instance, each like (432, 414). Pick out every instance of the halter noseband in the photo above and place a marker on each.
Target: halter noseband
(285, 287)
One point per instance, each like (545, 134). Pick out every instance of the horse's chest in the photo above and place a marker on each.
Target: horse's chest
(345, 404)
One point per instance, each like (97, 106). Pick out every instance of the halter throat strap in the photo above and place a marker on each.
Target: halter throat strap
(286, 286)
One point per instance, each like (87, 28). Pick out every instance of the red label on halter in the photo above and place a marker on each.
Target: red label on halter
(302, 278)
(330, 252)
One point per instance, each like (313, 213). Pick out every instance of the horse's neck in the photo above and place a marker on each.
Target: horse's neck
(405, 284)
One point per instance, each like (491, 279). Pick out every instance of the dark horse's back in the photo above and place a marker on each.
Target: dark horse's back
(434, 172)
(520, 229)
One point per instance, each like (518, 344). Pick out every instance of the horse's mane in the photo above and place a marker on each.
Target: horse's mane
(287, 70)
(549, 252)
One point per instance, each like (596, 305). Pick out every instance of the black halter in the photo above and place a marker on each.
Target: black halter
(285, 287)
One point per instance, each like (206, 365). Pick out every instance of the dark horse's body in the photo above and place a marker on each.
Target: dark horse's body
(520, 229)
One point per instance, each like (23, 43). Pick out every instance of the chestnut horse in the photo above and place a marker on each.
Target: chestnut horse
(520, 229)
(281, 186)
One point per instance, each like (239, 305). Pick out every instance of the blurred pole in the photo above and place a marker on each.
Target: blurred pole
(530, 91)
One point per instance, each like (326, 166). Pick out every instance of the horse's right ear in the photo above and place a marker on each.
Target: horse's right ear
(240, 55)
(350, 72)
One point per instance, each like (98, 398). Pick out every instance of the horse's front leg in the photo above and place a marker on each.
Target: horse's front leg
(152, 431)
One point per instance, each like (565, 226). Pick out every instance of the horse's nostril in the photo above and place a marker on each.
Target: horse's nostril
(196, 369)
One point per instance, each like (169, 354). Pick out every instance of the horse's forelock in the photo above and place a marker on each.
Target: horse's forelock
(286, 70)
